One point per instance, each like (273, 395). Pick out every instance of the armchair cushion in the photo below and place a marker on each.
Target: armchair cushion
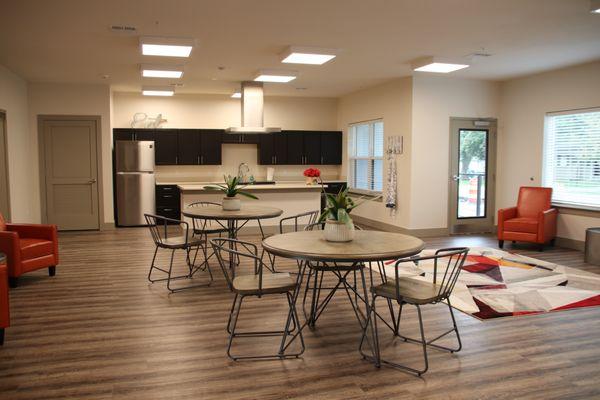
(532, 200)
(529, 225)
(34, 248)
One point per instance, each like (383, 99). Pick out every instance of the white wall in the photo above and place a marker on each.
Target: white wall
(21, 151)
(524, 103)
(435, 100)
(62, 99)
(221, 111)
(391, 102)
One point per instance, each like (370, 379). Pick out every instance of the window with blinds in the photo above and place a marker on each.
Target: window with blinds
(572, 158)
(365, 157)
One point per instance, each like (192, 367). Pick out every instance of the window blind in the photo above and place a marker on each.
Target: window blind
(365, 155)
(572, 157)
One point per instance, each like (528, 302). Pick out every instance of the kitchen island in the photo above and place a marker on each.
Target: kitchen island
(291, 197)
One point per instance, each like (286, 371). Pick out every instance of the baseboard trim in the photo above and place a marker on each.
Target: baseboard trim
(107, 226)
(433, 232)
(570, 243)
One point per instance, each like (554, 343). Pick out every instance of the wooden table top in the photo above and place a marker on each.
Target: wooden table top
(366, 246)
(247, 212)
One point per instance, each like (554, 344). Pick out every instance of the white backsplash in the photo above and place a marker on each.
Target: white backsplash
(232, 156)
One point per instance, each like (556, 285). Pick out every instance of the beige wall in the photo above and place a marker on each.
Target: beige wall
(435, 100)
(221, 111)
(21, 151)
(61, 99)
(524, 103)
(392, 102)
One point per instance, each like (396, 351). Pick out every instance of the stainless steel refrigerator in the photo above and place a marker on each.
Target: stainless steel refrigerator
(135, 181)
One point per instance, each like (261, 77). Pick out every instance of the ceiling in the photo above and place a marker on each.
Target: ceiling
(70, 41)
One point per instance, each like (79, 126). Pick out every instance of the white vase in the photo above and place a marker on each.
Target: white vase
(231, 204)
(336, 231)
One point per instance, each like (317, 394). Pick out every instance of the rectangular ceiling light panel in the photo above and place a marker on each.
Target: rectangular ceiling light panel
(158, 91)
(162, 71)
(307, 55)
(278, 76)
(166, 47)
(433, 64)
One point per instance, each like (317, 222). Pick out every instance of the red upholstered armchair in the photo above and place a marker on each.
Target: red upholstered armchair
(28, 247)
(532, 220)
(4, 311)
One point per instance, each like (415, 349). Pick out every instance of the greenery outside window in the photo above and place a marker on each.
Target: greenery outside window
(571, 165)
(365, 157)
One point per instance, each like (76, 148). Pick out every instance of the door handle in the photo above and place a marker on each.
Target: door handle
(455, 177)
(92, 181)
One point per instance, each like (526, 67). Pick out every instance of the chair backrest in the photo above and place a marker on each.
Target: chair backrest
(201, 224)
(532, 200)
(306, 218)
(2, 223)
(447, 264)
(159, 225)
(232, 249)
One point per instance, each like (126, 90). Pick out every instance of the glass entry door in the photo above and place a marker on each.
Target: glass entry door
(472, 175)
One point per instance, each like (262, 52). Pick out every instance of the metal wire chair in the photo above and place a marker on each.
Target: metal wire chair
(257, 284)
(300, 220)
(202, 228)
(159, 230)
(417, 293)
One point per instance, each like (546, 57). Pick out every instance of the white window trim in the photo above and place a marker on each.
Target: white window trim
(544, 156)
(351, 142)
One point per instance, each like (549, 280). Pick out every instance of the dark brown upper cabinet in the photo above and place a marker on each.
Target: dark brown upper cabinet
(199, 147)
(331, 148)
(133, 134)
(166, 146)
(241, 138)
(272, 149)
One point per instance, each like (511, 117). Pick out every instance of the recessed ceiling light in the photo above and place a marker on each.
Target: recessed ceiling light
(595, 6)
(307, 55)
(236, 95)
(275, 76)
(429, 64)
(166, 47)
(158, 91)
(161, 71)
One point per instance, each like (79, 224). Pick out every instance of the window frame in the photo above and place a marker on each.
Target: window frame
(371, 158)
(546, 142)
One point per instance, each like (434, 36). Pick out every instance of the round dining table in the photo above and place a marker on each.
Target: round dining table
(312, 251)
(233, 221)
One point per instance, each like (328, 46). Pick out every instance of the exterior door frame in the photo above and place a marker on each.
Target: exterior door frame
(42, 160)
(6, 167)
(482, 224)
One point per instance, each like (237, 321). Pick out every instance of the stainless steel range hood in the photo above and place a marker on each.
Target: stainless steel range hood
(252, 110)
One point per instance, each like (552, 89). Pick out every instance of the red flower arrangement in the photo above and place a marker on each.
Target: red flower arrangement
(312, 173)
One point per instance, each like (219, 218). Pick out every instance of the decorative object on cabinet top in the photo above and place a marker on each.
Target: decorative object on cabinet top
(142, 120)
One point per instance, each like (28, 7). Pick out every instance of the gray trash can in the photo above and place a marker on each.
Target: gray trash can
(592, 246)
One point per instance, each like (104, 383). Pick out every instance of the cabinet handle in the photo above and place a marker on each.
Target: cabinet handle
(134, 136)
(176, 160)
(198, 161)
(168, 209)
(275, 159)
(167, 196)
(167, 188)
(321, 159)
(272, 159)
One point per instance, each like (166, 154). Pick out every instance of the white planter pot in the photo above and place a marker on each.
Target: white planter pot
(335, 231)
(231, 204)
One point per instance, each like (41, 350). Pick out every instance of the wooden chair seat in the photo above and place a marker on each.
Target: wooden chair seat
(179, 242)
(271, 283)
(412, 291)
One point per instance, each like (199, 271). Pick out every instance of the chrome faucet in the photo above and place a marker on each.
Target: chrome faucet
(243, 171)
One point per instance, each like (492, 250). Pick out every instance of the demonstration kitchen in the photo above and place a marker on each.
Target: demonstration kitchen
(162, 170)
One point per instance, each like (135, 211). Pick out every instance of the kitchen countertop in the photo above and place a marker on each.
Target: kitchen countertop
(187, 187)
(185, 183)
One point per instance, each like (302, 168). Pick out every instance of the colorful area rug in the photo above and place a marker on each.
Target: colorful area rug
(496, 283)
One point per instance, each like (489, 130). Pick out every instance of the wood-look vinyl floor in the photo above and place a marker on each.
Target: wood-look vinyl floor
(99, 330)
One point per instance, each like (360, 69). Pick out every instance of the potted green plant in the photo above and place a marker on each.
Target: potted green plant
(231, 188)
(339, 226)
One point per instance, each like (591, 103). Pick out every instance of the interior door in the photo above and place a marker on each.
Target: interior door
(71, 173)
(472, 175)
(4, 194)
